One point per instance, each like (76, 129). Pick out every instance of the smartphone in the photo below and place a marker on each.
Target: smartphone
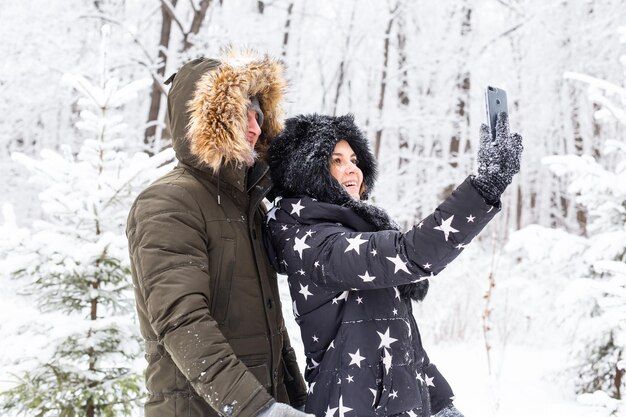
(495, 102)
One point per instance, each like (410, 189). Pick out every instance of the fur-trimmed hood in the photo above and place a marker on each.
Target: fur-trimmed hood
(207, 108)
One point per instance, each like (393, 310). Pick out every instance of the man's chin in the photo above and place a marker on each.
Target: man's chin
(252, 158)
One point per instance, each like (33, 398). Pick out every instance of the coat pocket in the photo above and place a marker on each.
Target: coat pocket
(258, 366)
(220, 294)
(383, 381)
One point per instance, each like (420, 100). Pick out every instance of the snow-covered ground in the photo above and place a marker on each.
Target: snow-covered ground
(524, 383)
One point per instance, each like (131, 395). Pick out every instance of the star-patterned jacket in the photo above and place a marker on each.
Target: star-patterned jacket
(363, 348)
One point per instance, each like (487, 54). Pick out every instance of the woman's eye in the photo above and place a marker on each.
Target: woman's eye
(355, 161)
(337, 161)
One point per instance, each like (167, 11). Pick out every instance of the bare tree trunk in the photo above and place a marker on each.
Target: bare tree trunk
(342, 64)
(156, 95)
(196, 23)
(383, 80)
(403, 90)
(463, 90)
(287, 29)
(157, 92)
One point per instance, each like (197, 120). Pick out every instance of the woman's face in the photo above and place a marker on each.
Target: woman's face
(343, 167)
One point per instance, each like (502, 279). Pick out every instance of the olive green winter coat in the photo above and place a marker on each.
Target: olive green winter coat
(207, 299)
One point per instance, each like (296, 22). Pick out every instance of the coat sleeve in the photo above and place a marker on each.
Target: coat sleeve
(439, 390)
(296, 388)
(340, 259)
(168, 248)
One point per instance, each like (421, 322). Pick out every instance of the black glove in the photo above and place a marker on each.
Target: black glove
(498, 160)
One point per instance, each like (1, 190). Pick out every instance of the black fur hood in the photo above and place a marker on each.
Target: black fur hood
(299, 160)
(302, 151)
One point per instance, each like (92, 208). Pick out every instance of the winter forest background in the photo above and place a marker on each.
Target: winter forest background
(530, 321)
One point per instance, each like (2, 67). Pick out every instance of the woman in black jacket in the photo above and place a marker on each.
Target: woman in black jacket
(352, 274)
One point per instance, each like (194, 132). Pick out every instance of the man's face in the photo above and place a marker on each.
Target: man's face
(254, 131)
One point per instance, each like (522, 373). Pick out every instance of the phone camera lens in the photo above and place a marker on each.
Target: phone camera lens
(497, 101)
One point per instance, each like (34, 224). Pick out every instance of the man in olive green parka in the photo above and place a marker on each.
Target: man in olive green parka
(207, 298)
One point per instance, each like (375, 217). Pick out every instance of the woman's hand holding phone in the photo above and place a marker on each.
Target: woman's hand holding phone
(498, 160)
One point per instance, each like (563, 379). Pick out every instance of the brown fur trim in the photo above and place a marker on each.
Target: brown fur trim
(218, 111)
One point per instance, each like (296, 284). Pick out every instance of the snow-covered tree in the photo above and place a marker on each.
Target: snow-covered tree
(74, 260)
(599, 294)
(598, 184)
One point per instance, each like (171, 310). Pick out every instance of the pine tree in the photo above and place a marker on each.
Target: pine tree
(75, 261)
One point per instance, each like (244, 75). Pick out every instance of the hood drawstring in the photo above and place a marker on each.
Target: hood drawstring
(219, 197)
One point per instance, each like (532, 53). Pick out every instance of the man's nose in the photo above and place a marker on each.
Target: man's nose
(253, 127)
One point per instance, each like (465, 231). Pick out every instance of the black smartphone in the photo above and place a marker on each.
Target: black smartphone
(495, 102)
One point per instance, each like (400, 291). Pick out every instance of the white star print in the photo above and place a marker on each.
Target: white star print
(315, 338)
(429, 381)
(300, 246)
(366, 277)
(330, 412)
(397, 292)
(411, 413)
(342, 296)
(356, 358)
(295, 310)
(301, 272)
(419, 226)
(310, 391)
(316, 264)
(359, 300)
(385, 339)
(395, 311)
(342, 409)
(304, 290)
(350, 378)
(315, 364)
(355, 243)
(295, 208)
(271, 215)
(427, 265)
(399, 264)
(418, 376)
(332, 345)
(460, 246)
(375, 394)
(387, 361)
(309, 233)
(446, 227)
(283, 227)
(470, 219)
(394, 394)
(374, 252)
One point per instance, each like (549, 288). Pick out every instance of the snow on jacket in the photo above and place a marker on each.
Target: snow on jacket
(364, 355)
(207, 298)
